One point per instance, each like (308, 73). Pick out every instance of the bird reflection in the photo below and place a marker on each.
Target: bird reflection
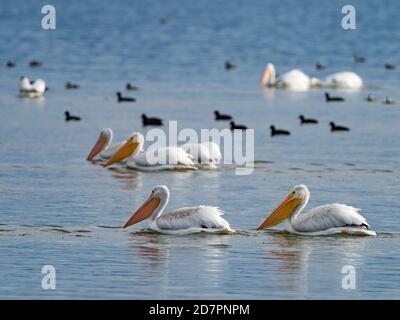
(130, 179)
(147, 245)
(268, 92)
(290, 250)
(304, 264)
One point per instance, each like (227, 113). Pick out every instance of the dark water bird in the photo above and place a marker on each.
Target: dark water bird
(235, 126)
(124, 99)
(359, 59)
(278, 132)
(69, 117)
(147, 121)
(370, 98)
(35, 64)
(163, 21)
(319, 66)
(388, 100)
(221, 116)
(229, 65)
(328, 98)
(307, 120)
(70, 85)
(130, 87)
(389, 66)
(335, 127)
(10, 64)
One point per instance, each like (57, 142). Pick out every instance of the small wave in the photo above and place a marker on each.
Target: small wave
(381, 171)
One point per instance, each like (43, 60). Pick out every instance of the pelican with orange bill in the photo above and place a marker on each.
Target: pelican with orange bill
(323, 220)
(164, 158)
(104, 148)
(181, 221)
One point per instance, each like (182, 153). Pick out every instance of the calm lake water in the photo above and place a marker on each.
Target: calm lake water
(58, 209)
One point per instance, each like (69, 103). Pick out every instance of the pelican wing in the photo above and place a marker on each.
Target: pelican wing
(205, 153)
(203, 217)
(295, 80)
(213, 150)
(329, 216)
(39, 86)
(163, 156)
(197, 151)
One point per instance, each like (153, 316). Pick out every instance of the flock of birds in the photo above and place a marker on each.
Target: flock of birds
(130, 153)
(323, 220)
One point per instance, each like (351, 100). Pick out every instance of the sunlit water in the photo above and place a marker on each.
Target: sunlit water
(58, 209)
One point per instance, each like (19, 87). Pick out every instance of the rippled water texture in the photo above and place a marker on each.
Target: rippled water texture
(58, 209)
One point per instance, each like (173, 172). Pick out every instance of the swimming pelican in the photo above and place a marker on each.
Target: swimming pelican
(206, 155)
(343, 80)
(295, 80)
(322, 220)
(165, 158)
(34, 89)
(181, 221)
(104, 148)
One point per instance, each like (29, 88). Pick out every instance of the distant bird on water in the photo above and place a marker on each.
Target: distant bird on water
(35, 64)
(130, 87)
(147, 121)
(278, 132)
(335, 127)
(359, 59)
(388, 100)
(370, 98)
(389, 66)
(328, 98)
(319, 66)
(69, 117)
(235, 126)
(296, 80)
(10, 64)
(70, 85)
(307, 120)
(124, 99)
(229, 65)
(221, 116)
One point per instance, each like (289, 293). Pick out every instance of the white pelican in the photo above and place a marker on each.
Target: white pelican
(295, 79)
(166, 158)
(323, 220)
(206, 154)
(34, 89)
(181, 221)
(104, 148)
(343, 80)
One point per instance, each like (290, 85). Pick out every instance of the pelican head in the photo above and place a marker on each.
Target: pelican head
(25, 84)
(297, 197)
(152, 207)
(101, 144)
(268, 77)
(131, 146)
